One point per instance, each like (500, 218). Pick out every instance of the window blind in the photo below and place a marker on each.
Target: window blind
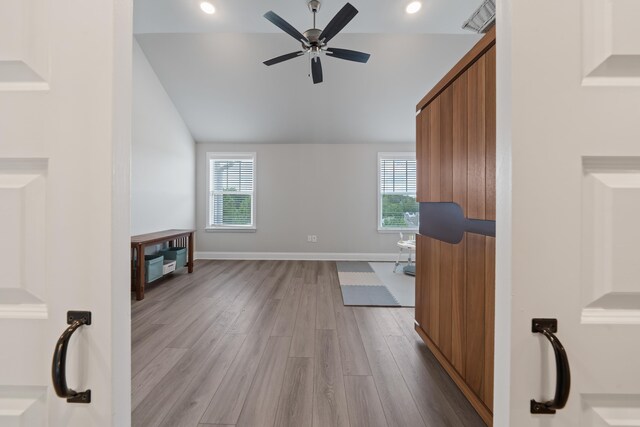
(397, 199)
(397, 176)
(231, 183)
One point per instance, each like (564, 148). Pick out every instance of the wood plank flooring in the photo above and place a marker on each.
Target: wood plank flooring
(269, 343)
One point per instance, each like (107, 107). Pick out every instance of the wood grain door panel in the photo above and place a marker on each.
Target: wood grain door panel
(422, 283)
(423, 134)
(445, 250)
(459, 196)
(476, 155)
(490, 134)
(489, 319)
(474, 311)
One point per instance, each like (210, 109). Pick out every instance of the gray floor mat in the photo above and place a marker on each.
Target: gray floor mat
(354, 267)
(368, 295)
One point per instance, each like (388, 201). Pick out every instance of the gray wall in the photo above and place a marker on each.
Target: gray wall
(329, 190)
(162, 156)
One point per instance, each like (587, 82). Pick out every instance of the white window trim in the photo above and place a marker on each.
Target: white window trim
(403, 155)
(232, 156)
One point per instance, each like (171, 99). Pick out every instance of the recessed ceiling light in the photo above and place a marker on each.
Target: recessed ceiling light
(413, 7)
(207, 7)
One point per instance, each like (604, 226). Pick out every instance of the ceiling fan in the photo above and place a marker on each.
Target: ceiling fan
(314, 41)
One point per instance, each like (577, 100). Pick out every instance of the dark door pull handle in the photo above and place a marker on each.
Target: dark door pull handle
(59, 364)
(445, 221)
(548, 328)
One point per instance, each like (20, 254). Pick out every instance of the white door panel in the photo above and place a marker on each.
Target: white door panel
(64, 183)
(22, 406)
(610, 263)
(569, 215)
(611, 54)
(614, 410)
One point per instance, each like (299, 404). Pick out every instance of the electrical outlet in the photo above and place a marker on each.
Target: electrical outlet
(309, 238)
(314, 239)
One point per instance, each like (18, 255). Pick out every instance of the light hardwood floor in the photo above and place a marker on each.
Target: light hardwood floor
(269, 343)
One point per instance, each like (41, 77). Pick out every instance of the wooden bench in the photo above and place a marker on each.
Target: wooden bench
(140, 242)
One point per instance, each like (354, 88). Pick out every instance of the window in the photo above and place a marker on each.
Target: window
(231, 203)
(397, 204)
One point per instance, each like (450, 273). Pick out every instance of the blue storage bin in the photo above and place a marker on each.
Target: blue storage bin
(176, 253)
(153, 267)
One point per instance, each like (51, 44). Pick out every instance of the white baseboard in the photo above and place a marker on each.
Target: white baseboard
(310, 256)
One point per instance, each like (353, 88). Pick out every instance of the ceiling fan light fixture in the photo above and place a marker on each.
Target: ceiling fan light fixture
(207, 8)
(413, 7)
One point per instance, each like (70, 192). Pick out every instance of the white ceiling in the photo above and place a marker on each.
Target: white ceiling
(246, 16)
(211, 67)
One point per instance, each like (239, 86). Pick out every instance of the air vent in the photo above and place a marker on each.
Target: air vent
(482, 18)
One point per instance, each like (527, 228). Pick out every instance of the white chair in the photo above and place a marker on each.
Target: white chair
(408, 245)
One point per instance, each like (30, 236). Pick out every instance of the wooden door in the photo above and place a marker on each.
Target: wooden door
(64, 208)
(455, 282)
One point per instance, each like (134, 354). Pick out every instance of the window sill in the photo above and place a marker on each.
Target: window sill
(397, 230)
(230, 229)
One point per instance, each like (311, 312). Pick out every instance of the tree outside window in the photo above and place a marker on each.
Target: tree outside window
(397, 204)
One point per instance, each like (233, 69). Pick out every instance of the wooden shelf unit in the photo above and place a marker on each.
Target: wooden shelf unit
(140, 242)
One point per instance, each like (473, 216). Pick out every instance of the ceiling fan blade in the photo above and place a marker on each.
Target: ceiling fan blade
(349, 55)
(282, 58)
(342, 18)
(316, 70)
(285, 26)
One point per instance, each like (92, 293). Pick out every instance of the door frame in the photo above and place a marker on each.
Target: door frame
(502, 328)
(122, 51)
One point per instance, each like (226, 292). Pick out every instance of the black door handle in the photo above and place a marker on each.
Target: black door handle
(548, 328)
(59, 364)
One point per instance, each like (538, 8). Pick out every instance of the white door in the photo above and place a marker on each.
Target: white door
(568, 238)
(64, 189)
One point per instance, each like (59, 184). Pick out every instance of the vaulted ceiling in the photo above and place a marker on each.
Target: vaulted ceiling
(211, 67)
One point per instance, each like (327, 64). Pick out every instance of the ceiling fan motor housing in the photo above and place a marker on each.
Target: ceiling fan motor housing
(314, 6)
